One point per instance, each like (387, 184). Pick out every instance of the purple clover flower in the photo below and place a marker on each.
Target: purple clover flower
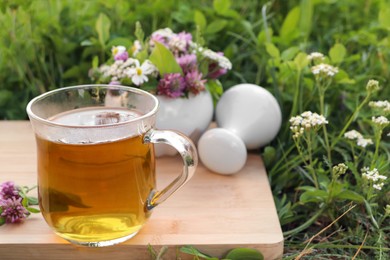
(184, 36)
(158, 38)
(187, 62)
(122, 56)
(194, 81)
(215, 72)
(13, 210)
(8, 190)
(171, 85)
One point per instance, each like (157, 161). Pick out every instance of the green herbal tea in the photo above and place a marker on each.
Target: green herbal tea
(95, 191)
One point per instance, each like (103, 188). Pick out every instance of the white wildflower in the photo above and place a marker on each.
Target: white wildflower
(324, 70)
(166, 33)
(339, 169)
(136, 48)
(118, 50)
(307, 120)
(372, 85)
(316, 56)
(222, 61)
(380, 121)
(178, 44)
(138, 74)
(378, 186)
(353, 134)
(296, 120)
(382, 105)
(374, 176)
(363, 142)
(360, 140)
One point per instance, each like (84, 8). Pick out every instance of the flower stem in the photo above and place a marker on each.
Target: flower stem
(297, 94)
(326, 137)
(378, 135)
(351, 119)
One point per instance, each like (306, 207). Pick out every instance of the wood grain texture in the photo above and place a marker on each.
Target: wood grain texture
(213, 213)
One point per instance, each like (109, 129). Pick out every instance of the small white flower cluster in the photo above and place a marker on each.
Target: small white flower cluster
(360, 140)
(339, 169)
(130, 68)
(382, 105)
(380, 121)
(306, 121)
(316, 56)
(374, 176)
(324, 70)
(222, 61)
(372, 85)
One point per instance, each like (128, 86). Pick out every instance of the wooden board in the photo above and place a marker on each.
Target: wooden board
(213, 213)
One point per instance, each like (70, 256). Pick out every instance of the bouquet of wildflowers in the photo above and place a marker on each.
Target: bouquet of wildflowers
(166, 63)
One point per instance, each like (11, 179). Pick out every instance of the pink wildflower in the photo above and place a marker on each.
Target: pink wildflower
(13, 210)
(194, 81)
(158, 38)
(215, 70)
(122, 56)
(8, 190)
(187, 62)
(171, 85)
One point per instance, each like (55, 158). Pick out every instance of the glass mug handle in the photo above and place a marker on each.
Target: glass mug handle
(186, 149)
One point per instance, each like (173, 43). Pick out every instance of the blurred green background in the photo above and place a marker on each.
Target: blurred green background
(47, 44)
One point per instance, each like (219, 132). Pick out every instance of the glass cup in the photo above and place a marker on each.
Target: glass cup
(96, 163)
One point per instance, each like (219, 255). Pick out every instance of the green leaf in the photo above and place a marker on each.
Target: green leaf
(73, 72)
(313, 196)
(33, 210)
(200, 19)
(32, 201)
(301, 60)
(272, 50)
(2, 221)
(216, 26)
(139, 32)
(120, 41)
(269, 155)
(342, 78)
(25, 202)
(289, 53)
(95, 62)
(102, 28)
(306, 17)
(164, 60)
(337, 53)
(350, 195)
(221, 6)
(244, 254)
(262, 36)
(290, 23)
(195, 252)
(215, 88)
(384, 14)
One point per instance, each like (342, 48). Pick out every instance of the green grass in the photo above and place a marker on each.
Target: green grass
(46, 44)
